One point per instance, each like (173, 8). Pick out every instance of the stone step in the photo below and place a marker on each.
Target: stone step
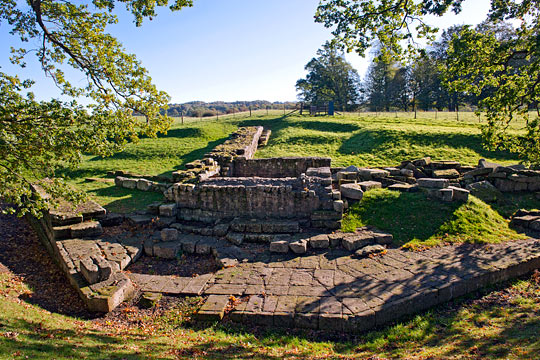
(79, 230)
(173, 285)
(67, 214)
(214, 308)
(264, 226)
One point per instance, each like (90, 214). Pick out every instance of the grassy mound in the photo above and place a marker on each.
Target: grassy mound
(415, 220)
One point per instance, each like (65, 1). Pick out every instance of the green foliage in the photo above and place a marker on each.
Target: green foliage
(415, 220)
(330, 78)
(505, 70)
(38, 137)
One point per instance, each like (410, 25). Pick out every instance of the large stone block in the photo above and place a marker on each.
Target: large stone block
(95, 269)
(351, 191)
(168, 210)
(429, 183)
(169, 235)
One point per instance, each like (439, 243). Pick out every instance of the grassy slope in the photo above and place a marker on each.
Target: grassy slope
(415, 220)
(504, 324)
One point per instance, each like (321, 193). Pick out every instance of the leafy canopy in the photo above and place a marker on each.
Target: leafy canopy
(330, 78)
(504, 69)
(36, 137)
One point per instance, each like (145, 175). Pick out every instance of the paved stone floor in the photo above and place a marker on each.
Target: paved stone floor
(333, 290)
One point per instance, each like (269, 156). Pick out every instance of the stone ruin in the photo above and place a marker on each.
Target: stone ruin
(290, 208)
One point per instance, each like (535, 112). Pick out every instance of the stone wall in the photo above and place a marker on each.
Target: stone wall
(277, 167)
(307, 198)
(242, 143)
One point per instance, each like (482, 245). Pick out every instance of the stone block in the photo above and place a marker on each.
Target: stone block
(279, 246)
(169, 234)
(370, 249)
(369, 185)
(372, 174)
(460, 194)
(235, 238)
(406, 172)
(95, 269)
(220, 230)
(168, 250)
(339, 206)
(86, 229)
(106, 295)
(426, 161)
(351, 191)
(535, 225)
(446, 174)
(447, 195)
(382, 238)
(168, 210)
(319, 241)
(445, 165)
(150, 299)
(129, 183)
(299, 246)
(354, 242)
(484, 190)
(429, 183)
(144, 185)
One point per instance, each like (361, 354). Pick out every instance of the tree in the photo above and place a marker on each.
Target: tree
(37, 137)
(386, 84)
(330, 78)
(477, 59)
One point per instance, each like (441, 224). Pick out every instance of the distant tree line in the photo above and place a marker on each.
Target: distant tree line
(390, 85)
(204, 109)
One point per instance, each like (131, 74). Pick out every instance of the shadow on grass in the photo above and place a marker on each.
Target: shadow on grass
(370, 141)
(196, 155)
(128, 200)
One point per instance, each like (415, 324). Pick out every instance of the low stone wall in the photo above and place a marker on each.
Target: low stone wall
(92, 266)
(242, 143)
(307, 197)
(277, 167)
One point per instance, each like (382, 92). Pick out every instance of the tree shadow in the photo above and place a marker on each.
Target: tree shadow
(128, 200)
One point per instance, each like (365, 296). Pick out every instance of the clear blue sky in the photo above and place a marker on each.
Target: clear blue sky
(227, 49)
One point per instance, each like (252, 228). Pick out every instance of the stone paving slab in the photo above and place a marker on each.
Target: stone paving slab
(335, 291)
(173, 285)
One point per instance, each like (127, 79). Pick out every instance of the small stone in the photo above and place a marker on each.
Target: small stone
(447, 195)
(351, 191)
(433, 183)
(299, 247)
(370, 249)
(422, 162)
(150, 299)
(369, 185)
(168, 210)
(169, 235)
(129, 183)
(319, 241)
(235, 238)
(86, 229)
(484, 164)
(279, 246)
(407, 172)
(144, 185)
(446, 174)
(460, 194)
(484, 190)
(339, 206)
(351, 168)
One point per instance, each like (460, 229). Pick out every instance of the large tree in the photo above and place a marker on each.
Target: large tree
(36, 137)
(477, 59)
(330, 78)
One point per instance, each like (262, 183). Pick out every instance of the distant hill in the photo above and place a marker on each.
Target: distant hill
(204, 109)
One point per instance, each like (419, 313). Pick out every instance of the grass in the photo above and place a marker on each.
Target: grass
(414, 220)
(504, 324)
(365, 139)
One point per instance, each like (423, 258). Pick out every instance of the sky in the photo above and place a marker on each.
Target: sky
(226, 50)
